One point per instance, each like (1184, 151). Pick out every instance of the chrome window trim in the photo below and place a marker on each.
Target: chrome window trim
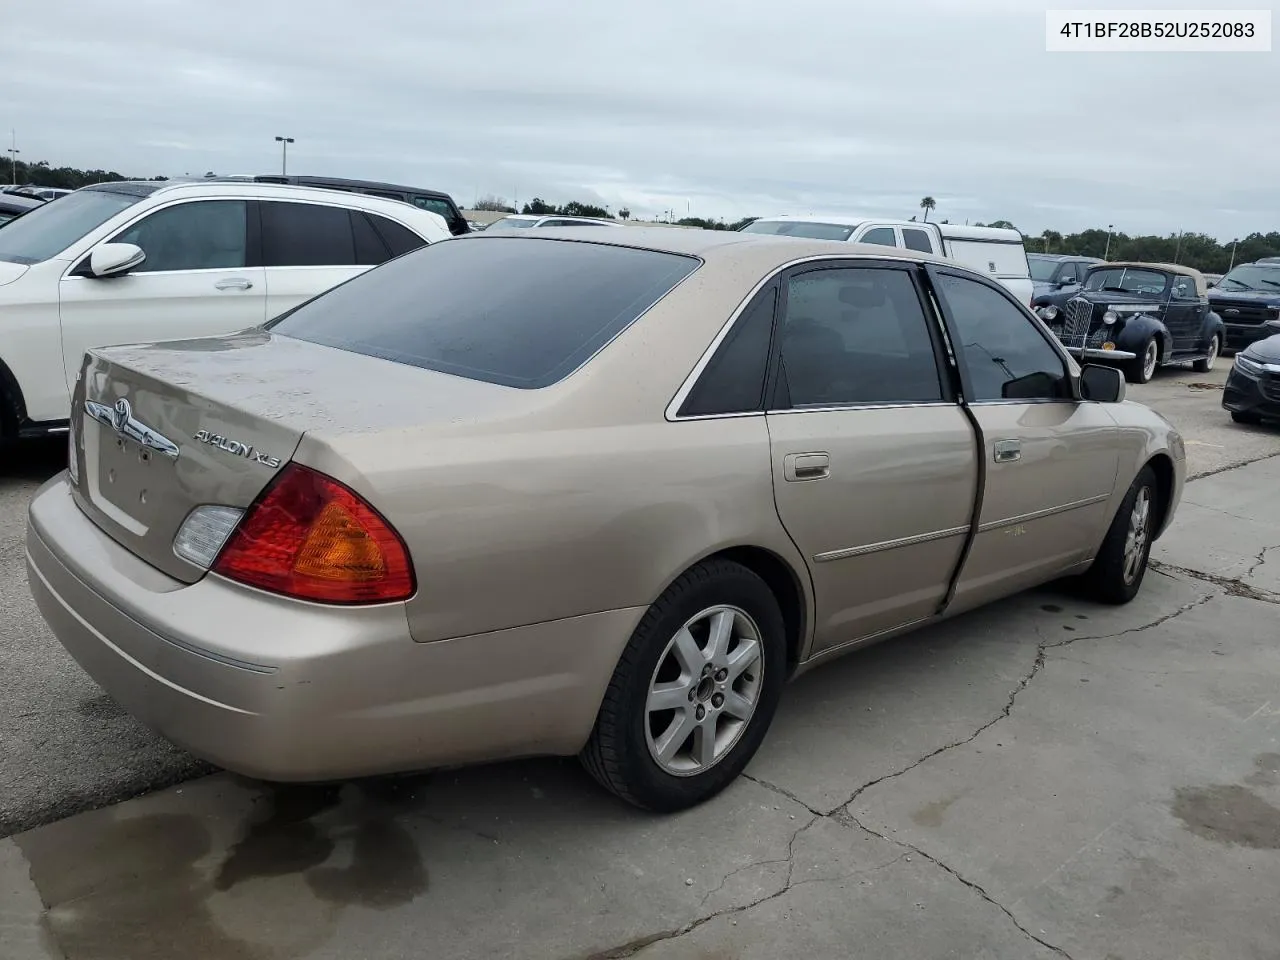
(671, 413)
(847, 552)
(1041, 514)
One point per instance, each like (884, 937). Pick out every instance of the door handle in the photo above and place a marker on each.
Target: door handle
(806, 466)
(234, 283)
(1007, 451)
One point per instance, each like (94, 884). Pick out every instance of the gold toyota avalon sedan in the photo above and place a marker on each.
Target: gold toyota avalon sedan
(580, 492)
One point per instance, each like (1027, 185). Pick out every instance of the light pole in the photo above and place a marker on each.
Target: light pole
(284, 153)
(1233, 254)
(1106, 254)
(13, 152)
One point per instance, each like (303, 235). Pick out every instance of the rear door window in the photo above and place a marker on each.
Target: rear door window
(518, 311)
(398, 239)
(371, 249)
(306, 235)
(914, 239)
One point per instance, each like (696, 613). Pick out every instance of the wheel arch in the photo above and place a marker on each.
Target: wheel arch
(13, 406)
(1161, 465)
(783, 581)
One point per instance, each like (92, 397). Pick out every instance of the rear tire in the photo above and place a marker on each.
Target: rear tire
(1205, 365)
(1142, 368)
(1245, 417)
(694, 691)
(1121, 563)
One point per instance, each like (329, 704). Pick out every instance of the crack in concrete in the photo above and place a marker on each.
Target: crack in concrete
(1230, 466)
(975, 887)
(1262, 558)
(1233, 588)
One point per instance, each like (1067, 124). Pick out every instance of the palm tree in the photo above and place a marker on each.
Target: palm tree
(927, 204)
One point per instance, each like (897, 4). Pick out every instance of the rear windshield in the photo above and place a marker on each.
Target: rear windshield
(800, 228)
(519, 311)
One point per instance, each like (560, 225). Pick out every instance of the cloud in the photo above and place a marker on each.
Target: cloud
(719, 107)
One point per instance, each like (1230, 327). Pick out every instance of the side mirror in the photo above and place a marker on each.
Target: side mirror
(114, 259)
(1103, 384)
(1067, 281)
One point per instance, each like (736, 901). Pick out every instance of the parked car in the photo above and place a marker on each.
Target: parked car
(1141, 315)
(14, 205)
(125, 262)
(1055, 273)
(1248, 299)
(433, 201)
(997, 252)
(1252, 392)
(520, 221)
(558, 496)
(43, 193)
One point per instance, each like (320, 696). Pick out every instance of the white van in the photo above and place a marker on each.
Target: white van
(992, 250)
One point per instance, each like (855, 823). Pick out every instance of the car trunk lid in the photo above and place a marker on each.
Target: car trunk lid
(157, 430)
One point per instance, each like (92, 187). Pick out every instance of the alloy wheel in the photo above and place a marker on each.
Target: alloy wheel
(704, 690)
(1135, 541)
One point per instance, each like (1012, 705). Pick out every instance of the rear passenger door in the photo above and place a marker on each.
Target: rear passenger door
(874, 462)
(1049, 460)
(309, 247)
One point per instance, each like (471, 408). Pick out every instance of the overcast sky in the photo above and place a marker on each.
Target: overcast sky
(721, 108)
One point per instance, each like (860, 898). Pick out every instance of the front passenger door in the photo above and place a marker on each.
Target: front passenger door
(1185, 314)
(1049, 460)
(194, 283)
(874, 462)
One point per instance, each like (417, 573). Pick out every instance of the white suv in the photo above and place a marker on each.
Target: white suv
(144, 261)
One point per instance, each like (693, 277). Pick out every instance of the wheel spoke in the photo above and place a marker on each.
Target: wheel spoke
(668, 696)
(685, 649)
(704, 741)
(737, 706)
(674, 737)
(721, 633)
(746, 655)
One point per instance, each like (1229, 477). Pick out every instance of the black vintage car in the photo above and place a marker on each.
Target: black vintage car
(1253, 385)
(1140, 315)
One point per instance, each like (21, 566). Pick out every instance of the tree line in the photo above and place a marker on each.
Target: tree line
(1197, 250)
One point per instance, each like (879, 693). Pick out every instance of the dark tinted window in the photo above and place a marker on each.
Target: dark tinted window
(856, 335)
(370, 247)
(200, 235)
(306, 235)
(399, 239)
(914, 239)
(881, 235)
(517, 311)
(1006, 355)
(733, 381)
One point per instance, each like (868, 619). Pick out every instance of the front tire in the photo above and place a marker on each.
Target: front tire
(1121, 563)
(693, 693)
(1205, 365)
(1143, 367)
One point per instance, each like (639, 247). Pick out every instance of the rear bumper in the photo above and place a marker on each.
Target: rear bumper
(291, 691)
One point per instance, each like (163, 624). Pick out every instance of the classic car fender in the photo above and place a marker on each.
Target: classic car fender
(1137, 328)
(1213, 324)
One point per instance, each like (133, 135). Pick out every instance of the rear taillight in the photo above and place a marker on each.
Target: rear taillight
(310, 537)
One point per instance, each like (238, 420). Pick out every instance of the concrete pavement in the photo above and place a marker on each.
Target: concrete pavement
(1041, 778)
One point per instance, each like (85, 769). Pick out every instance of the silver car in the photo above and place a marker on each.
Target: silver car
(596, 492)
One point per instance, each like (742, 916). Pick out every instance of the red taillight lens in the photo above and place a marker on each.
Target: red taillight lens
(310, 537)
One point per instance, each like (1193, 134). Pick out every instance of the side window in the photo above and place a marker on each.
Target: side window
(431, 205)
(1068, 274)
(856, 335)
(1184, 288)
(399, 239)
(199, 235)
(914, 239)
(881, 235)
(306, 235)
(733, 382)
(1006, 356)
(371, 249)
